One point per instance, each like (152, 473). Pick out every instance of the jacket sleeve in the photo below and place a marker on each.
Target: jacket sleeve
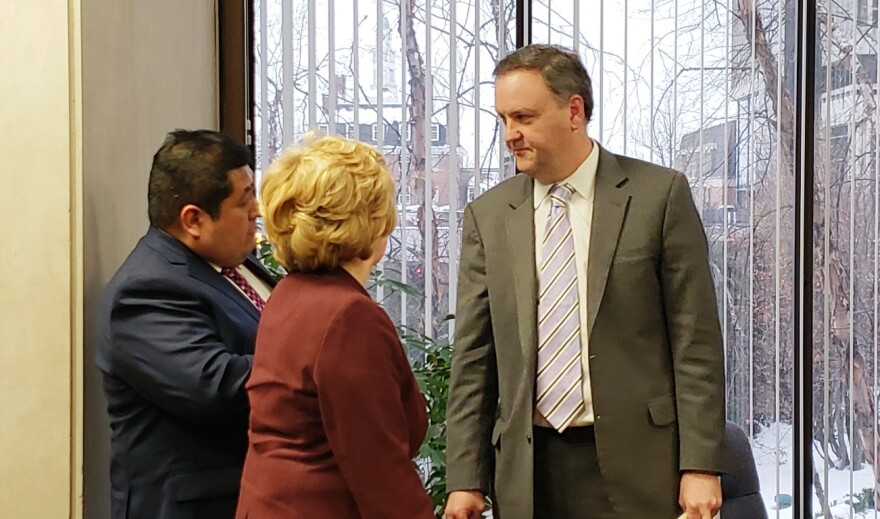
(694, 332)
(473, 387)
(361, 374)
(164, 343)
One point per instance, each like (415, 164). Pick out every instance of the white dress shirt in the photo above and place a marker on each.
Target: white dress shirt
(580, 207)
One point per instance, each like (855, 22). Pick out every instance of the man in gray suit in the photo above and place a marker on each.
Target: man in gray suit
(587, 377)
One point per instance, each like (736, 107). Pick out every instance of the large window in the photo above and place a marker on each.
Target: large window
(845, 227)
(412, 77)
(708, 87)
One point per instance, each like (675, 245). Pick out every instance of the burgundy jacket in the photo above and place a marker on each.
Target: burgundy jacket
(336, 415)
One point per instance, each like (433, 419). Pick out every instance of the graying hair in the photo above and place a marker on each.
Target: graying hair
(560, 67)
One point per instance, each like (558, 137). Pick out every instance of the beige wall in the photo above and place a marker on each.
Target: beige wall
(148, 67)
(40, 308)
(87, 95)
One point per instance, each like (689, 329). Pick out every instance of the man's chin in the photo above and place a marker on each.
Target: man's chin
(524, 166)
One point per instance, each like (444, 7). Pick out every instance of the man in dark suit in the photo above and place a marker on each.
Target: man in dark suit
(177, 328)
(587, 376)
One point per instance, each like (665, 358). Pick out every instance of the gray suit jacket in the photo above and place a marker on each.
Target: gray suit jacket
(655, 348)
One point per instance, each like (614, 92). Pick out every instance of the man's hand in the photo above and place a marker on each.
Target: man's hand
(700, 495)
(464, 504)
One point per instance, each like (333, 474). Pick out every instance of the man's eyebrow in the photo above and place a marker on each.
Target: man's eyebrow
(517, 112)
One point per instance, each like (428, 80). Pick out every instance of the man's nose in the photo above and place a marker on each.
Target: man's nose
(511, 133)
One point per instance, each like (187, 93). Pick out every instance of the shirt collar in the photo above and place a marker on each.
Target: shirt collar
(582, 180)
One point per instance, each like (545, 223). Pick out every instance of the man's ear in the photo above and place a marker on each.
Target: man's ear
(192, 218)
(576, 112)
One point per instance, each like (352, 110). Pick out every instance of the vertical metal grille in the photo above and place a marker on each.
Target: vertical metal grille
(411, 77)
(712, 93)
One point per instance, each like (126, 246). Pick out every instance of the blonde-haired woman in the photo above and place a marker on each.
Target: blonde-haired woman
(336, 415)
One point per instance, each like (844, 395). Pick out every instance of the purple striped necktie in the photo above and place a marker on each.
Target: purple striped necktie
(559, 393)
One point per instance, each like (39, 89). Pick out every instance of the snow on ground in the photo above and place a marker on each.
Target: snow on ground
(772, 448)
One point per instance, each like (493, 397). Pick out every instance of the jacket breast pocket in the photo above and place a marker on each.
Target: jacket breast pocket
(635, 256)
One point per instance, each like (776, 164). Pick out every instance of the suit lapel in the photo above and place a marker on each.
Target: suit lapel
(178, 254)
(204, 272)
(521, 245)
(610, 203)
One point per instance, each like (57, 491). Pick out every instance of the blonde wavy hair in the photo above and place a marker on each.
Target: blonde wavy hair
(325, 202)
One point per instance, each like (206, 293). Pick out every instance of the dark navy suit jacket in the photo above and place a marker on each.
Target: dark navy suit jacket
(176, 340)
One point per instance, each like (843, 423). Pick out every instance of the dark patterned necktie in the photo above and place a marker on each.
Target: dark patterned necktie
(242, 283)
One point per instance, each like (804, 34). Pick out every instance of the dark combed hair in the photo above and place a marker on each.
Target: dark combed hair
(192, 167)
(560, 67)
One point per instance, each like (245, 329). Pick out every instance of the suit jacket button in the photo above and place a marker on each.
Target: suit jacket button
(529, 438)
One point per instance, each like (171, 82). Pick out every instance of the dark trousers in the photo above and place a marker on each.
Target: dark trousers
(568, 483)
